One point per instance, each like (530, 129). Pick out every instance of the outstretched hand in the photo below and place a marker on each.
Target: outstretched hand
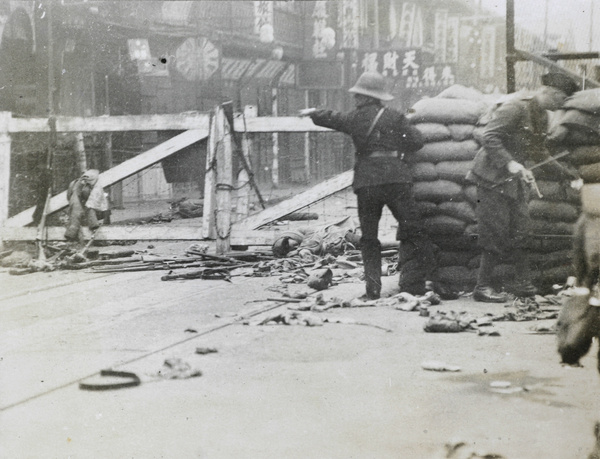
(307, 111)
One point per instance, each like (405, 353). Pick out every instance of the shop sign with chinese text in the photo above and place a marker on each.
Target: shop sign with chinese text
(410, 67)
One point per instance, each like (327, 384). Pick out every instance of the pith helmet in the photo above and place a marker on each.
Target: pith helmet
(371, 84)
(560, 81)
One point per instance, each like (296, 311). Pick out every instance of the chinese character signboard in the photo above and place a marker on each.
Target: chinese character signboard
(409, 67)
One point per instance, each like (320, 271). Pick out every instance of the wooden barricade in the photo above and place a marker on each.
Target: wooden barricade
(217, 222)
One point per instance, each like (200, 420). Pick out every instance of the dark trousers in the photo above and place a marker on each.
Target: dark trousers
(416, 259)
(504, 229)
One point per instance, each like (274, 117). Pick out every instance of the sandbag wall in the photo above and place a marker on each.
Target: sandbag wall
(446, 200)
(449, 123)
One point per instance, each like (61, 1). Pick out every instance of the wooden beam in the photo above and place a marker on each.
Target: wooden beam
(224, 183)
(278, 124)
(310, 196)
(141, 233)
(210, 183)
(122, 171)
(5, 142)
(551, 65)
(175, 122)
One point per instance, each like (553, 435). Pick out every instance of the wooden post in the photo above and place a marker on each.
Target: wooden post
(208, 217)
(306, 144)
(5, 141)
(224, 183)
(80, 149)
(275, 137)
(243, 181)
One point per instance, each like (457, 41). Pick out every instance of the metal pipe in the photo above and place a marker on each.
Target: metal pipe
(510, 46)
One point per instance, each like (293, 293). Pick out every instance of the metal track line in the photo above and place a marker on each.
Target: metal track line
(148, 354)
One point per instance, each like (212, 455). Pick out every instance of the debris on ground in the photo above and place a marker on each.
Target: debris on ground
(451, 322)
(206, 350)
(434, 365)
(461, 450)
(176, 368)
(527, 309)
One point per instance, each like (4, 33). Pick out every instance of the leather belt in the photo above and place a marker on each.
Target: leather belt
(384, 154)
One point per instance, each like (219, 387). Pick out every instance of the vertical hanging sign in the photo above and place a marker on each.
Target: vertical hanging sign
(319, 24)
(488, 52)
(452, 38)
(349, 18)
(440, 35)
(263, 15)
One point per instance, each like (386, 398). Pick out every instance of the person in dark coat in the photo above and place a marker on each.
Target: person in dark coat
(515, 133)
(382, 138)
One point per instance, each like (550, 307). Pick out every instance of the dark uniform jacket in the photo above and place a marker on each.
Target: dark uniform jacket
(516, 132)
(392, 132)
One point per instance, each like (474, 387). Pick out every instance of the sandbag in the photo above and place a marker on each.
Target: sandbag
(580, 137)
(461, 210)
(470, 193)
(590, 173)
(444, 225)
(455, 171)
(551, 172)
(423, 172)
(472, 230)
(549, 244)
(448, 150)
(455, 258)
(434, 132)
(552, 191)
(553, 211)
(557, 275)
(578, 120)
(427, 209)
(503, 273)
(587, 101)
(584, 154)
(458, 91)
(541, 227)
(447, 111)
(544, 261)
(459, 277)
(478, 134)
(455, 243)
(460, 132)
(438, 191)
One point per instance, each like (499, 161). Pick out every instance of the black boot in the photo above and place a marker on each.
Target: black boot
(371, 255)
(523, 287)
(484, 291)
(487, 294)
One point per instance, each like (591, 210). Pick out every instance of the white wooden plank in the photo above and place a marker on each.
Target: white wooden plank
(142, 233)
(310, 196)
(177, 122)
(277, 124)
(224, 184)
(5, 141)
(210, 182)
(121, 171)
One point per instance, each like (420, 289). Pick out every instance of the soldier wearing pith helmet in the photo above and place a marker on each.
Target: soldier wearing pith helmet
(383, 138)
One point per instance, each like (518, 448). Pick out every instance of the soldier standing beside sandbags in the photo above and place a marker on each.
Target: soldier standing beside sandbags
(516, 133)
(382, 136)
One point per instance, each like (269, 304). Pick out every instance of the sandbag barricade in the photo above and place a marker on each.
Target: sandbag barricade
(452, 123)
(446, 200)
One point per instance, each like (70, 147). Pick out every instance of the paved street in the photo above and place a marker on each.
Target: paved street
(333, 391)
